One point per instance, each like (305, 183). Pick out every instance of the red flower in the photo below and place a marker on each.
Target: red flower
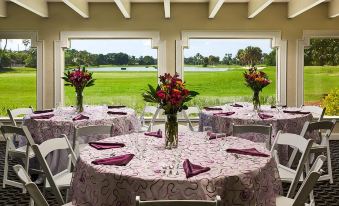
(161, 94)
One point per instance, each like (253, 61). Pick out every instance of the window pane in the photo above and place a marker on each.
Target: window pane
(321, 74)
(122, 69)
(213, 68)
(17, 74)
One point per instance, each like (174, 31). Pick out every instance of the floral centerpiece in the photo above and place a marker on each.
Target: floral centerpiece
(79, 79)
(171, 95)
(256, 80)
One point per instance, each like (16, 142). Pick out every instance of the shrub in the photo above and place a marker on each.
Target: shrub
(331, 102)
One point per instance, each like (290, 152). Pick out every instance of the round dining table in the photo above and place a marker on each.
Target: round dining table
(222, 118)
(50, 124)
(156, 173)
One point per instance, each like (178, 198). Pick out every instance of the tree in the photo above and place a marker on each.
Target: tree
(249, 56)
(227, 59)
(2, 52)
(148, 60)
(205, 62)
(213, 60)
(270, 59)
(31, 60)
(198, 59)
(322, 52)
(26, 42)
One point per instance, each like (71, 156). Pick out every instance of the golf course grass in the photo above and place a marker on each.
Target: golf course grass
(18, 87)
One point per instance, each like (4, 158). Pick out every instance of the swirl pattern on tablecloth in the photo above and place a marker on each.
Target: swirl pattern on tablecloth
(238, 179)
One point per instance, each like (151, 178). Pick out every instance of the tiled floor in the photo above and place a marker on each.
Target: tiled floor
(326, 194)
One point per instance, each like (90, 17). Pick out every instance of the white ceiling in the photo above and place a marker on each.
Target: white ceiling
(295, 7)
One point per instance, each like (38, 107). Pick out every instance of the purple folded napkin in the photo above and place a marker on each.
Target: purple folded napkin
(274, 106)
(236, 105)
(80, 117)
(42, 111)
(117, 113)
(116, 106)
(250, 151)
(106, 145)
(295, 112)
(224, 114)
(213, 135)
(212, 108)
(264, 116)
(45, 116)
(154, 134)
(192, 169)
(121, 160)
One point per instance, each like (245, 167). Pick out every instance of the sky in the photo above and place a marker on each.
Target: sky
(142, 47)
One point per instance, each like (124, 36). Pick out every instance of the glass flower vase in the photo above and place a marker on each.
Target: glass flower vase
(171, 131)
(79, 102)
(256, 101)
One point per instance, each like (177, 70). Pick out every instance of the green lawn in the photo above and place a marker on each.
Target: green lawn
(17, 87)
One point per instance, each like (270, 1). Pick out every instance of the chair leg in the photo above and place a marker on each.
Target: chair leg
(290, 161)
(5, 170)
(329, 164)
(312, 202)
(31, 202)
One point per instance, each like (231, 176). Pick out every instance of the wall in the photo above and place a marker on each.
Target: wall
(106, 16)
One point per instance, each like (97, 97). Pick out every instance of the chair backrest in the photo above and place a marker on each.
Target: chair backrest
(17, 112)
(155, 111)
(9, 131)
(186, 114)
(303, 145)
(216, 202)
(309, 182)
(316, 111)
(318, 126)
(45, 148)
(91, 130)
(258, 129)
(31, 187)
(192, 110)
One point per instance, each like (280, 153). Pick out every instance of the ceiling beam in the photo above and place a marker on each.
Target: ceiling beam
(38, 7)
(3, 12)
(79, 6)
(214, 7)
(296, 7)
(333, 9)
(167, 8)
(257, 6)
(125, 7)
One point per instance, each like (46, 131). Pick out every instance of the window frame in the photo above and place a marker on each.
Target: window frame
(39, 45)
(276, 42)
(64, 43)
(302, 44)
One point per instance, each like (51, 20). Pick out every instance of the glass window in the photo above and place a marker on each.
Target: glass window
(321, 74)
(122, 69)
(17, 74)
(215, 67)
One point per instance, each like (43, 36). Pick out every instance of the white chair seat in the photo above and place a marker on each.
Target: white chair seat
(284, 201)
(21, 151)
(286, 174)
(316, 146)
(62, 179)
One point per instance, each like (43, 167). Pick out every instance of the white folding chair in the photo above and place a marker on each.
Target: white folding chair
(288, 174)
(187, 113)
(306, 188)
(216, 202)
(61, 180)
(155, 111)
(257, 129)
(25, 152)
(324, 145)
(14, 113)
(317, 112)
(89, 131)
(33, 190)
